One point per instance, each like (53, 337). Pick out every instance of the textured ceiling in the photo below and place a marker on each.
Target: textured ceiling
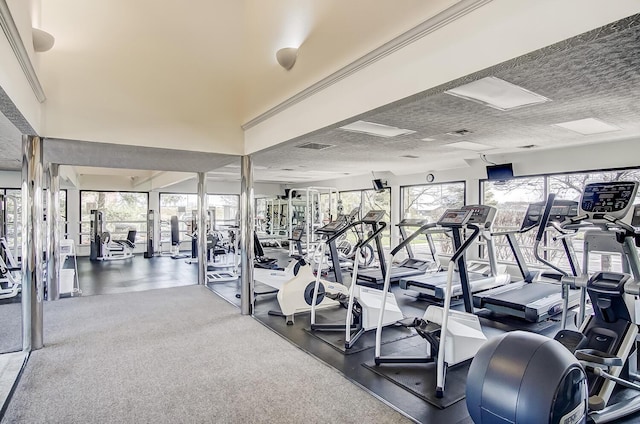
(10, 145)
(594, 75)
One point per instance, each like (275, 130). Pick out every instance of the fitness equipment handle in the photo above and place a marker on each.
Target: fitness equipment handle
(598, 357)
(467, 242)
(418, 232)
(376, 233)
(342, 231)
(542, 226)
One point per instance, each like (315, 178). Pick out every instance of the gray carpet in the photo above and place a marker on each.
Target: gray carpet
(10, 327)
(178, 355)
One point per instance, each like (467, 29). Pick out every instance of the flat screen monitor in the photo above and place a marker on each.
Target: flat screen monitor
(500, 172)
(378, 185)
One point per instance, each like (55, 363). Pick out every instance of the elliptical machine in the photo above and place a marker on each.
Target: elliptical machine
(546, 385)
(453, 336)
(365, 305)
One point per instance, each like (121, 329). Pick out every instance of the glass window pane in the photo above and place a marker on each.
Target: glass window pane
(430, 201)
(570, 186)
(123, 211)
(512, 198)
(226, 208)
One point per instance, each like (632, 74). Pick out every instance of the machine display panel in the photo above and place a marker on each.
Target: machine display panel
(332, 227)
(373, 216)
(455, 217)
(296, 234)
(560, 211)
(481, 214)
(613, 198)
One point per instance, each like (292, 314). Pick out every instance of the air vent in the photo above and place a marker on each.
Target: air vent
(528, 146)
(315, 146)
(459, 133)
(410, 157)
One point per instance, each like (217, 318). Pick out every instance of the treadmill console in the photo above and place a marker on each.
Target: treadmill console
(296, 234)
(611, 198)
(413, 222)
(373, 217)
(332, 227)
(560, 211)
(481, 215)
(455, 217)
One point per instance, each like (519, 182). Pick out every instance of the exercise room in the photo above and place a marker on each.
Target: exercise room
(428, 211)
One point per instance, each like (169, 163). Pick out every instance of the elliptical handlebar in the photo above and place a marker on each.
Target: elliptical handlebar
(542, 227)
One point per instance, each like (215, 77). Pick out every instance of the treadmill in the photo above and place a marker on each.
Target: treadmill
(539, 295)
(411, 266)
(480, 276)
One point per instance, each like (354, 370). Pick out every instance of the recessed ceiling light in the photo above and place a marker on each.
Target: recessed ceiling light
(497, 93)
(468, 145)
(428, 139)
(378, 130)
(588, 126)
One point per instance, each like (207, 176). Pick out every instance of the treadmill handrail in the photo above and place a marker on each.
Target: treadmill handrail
(412, 237)
(344, 230)
(516, 231)
(372, 236)
(467, 242)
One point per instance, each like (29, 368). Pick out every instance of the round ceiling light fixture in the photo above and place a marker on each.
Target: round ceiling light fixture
(286, 57)
(42, 40)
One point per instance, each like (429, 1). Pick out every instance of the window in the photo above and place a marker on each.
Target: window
(368, 200)
(13, 216)
(430, 201)
(123, 211)
(223, 211)
(225, 208)
(512, 198)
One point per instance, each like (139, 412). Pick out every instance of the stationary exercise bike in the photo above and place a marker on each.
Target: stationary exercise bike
(305, 289)
(581, 375)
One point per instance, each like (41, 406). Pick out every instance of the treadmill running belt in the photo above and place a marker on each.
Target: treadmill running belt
(518, 299)
(440, 279)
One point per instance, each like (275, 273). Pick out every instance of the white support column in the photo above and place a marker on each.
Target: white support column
(246, 235)
(53, 227)
(202, 228)
(32, 245)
